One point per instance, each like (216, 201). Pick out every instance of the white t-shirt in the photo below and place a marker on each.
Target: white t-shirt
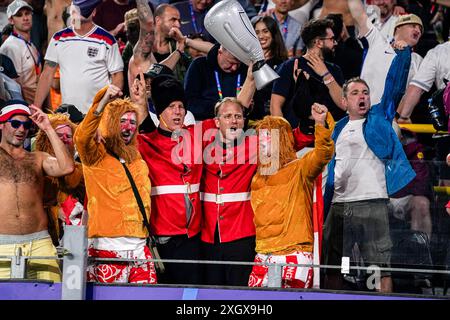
(25, 58)
(86, 63)
(358, 174)
(387, 28)
(377, 62)
(435, 67)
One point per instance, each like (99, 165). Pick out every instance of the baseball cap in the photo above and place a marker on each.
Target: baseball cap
(14, 107)
(408, 19)
(158, 69)
(15, 6)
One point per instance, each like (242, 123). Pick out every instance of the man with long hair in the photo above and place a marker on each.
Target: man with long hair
(282, 197)
(115, 224)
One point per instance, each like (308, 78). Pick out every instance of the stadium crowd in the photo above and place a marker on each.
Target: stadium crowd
(130, 115)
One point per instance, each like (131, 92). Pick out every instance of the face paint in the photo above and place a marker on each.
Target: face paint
(265, 140)
(128, 126)
(64, 132)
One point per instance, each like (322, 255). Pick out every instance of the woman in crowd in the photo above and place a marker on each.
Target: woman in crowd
(275, 53)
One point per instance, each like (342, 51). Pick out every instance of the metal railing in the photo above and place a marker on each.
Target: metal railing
(74, 257)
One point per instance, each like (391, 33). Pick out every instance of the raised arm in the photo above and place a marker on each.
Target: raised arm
(138, 96)
(248, 89)
(89, 149)
(316, 160)
(359, 15)
(144, 45)
(62, 163)
(142, 51)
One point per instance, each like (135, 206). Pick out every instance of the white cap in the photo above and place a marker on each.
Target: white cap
(15, 6)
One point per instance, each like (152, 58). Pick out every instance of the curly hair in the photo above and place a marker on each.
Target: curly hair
(315, 29)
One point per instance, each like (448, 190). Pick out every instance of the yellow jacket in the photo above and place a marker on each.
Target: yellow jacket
(282, 202)
(112, 207)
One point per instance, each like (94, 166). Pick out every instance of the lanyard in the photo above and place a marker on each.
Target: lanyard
(285, 25)
(194, 20)
(29, 44)
(219, 87)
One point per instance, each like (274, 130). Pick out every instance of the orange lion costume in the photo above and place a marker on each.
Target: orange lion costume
(282, 200)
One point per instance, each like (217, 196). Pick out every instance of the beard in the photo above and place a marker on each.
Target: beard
(328, 54)
(127, 151)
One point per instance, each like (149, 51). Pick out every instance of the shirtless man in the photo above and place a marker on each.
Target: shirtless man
(54, 11)
(24, 222)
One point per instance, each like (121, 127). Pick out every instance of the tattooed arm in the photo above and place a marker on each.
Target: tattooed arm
(144, 46)
(142, 53)
(45, 81)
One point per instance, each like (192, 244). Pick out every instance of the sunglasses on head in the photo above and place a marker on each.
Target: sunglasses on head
(17, 123)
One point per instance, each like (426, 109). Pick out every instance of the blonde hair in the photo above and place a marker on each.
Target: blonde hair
(224, 101)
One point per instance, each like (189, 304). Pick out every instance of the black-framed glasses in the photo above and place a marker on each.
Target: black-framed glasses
(333, 38)
(17, 123)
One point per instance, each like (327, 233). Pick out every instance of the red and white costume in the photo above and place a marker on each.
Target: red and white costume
(226, 190)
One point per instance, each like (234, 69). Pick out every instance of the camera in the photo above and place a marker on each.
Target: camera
(436, 111)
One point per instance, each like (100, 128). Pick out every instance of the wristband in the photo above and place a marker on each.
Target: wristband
(180, 52)
(325, 74)
(327, 82)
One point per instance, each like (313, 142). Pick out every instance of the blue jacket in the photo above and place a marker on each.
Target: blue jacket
(200, 84)
(378, 132)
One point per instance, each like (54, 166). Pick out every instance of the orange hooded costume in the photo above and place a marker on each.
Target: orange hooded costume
(282, 202)
(112, 207)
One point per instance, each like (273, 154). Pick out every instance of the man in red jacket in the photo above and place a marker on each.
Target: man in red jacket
(175, 178)
(174, 156)
(228, 231)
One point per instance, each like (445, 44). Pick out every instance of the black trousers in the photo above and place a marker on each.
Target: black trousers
(180, 247)
(231, 275)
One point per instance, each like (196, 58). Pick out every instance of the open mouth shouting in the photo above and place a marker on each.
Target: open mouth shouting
(362, 106)
(126, 136)
(128, 126)
(177, 121)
